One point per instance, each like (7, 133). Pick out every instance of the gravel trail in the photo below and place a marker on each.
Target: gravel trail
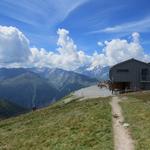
(122, 137)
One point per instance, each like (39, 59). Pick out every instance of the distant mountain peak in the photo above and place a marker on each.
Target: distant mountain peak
(90, 68)
(99, 72)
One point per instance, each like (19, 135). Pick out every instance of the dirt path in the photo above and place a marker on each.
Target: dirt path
(122, 138)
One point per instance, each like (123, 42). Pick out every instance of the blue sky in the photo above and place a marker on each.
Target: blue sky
(87, 20)
(62, 29)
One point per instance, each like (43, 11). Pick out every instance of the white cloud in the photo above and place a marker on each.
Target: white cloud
(14, 46)
(140, 26)
(65, 43)
(114, 51)
(136, 37)
(67, 55)
(15, 51)
(118, 50)
(100, 44)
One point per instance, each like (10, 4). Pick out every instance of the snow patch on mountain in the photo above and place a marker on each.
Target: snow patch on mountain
(98, 72)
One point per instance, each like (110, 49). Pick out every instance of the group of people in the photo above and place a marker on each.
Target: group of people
(107, 84)
(104, 84)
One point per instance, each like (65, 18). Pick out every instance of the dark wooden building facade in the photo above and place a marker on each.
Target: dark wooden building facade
(130, 75)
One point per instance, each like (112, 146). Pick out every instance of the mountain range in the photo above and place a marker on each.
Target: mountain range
(98, 72)
(63, 80)
(39, 87)
(27, 90)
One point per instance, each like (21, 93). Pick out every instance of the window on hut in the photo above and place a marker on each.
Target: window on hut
(123, 70)
(144, 73)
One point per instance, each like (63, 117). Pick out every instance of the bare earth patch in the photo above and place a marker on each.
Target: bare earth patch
(122, 138)
(92, 92)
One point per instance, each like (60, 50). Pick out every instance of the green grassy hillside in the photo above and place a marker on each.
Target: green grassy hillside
(136, 110)
(84, 125)
(8, 109)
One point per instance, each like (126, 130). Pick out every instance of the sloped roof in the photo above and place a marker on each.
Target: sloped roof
(132, 59)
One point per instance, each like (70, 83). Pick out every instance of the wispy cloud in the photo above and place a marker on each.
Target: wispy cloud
(139, 26)
(38, 19)
(39, 12)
